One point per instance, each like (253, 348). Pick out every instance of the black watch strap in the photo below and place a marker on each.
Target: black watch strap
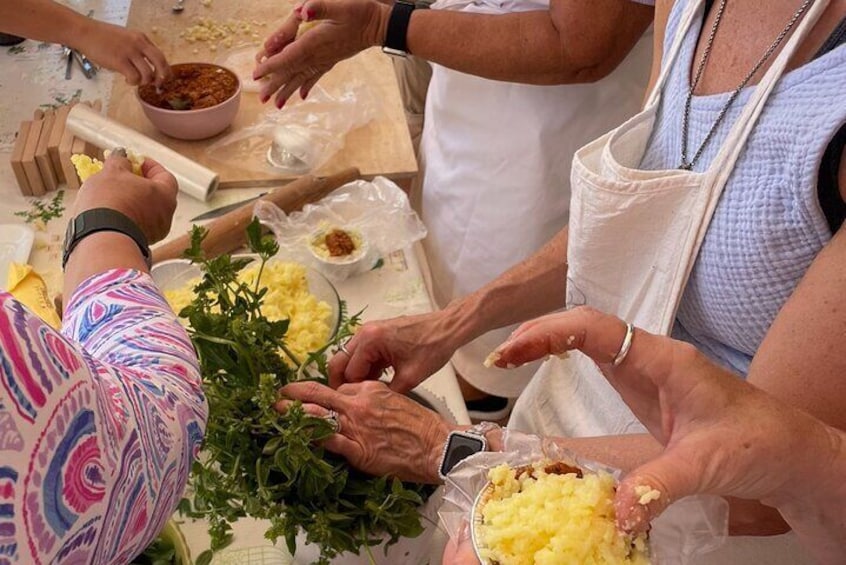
(395, 37)
(103, 219)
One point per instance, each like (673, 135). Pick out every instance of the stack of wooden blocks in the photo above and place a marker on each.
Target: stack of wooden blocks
(43, 148)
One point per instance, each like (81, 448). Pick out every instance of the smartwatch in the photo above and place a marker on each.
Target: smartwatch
(103, 219)
(395, 36)
(462, 444)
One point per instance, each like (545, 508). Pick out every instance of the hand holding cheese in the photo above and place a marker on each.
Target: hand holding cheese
(149, 200)
(721, 435)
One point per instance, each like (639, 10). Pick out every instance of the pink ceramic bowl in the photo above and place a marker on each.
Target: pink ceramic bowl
(193, 123)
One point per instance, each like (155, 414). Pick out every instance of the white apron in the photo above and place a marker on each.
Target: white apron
(633, 238)
(496, 185)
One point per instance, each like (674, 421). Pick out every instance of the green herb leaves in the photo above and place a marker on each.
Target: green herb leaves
(260, 463)
(44, 212)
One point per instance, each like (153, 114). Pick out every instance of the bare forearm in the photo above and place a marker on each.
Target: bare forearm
(572, 42)
(101, 252)
(42, 20)
(534, 287)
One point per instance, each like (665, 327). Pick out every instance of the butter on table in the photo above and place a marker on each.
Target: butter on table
(29, 289)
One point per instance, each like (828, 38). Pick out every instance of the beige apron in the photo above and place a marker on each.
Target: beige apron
(633, 238)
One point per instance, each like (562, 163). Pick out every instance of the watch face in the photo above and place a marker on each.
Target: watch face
(459, 448)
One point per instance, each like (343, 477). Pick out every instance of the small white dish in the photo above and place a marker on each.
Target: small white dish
(15, 245)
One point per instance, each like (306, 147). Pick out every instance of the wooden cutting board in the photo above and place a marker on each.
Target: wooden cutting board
(382, 147)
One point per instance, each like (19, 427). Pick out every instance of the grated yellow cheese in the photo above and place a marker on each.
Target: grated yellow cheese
(288, 297)
(550, 519)
(208, 30)
(86, 166)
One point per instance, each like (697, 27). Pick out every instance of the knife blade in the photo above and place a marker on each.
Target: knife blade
(214, 213)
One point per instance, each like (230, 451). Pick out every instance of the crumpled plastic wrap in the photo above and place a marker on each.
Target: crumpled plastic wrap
(690, 527)
(303, 135)
(378, 210)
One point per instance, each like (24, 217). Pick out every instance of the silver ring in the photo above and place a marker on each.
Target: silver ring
(119, 152)
(624, 348)
(334, 420)
(343, 347)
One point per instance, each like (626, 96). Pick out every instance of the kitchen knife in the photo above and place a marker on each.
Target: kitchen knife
(224, 209)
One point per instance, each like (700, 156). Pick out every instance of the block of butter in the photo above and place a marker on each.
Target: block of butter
(28, 287)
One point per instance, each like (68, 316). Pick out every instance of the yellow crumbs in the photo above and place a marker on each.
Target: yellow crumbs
(86, 166)
(221, 34)
(288, 297)
(554, 518)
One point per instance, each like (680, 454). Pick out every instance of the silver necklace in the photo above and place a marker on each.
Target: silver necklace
(689, 164)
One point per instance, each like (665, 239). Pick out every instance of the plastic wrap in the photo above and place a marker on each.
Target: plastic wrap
(690, 527)
(194, 179)
(303, 135)
(378, 210)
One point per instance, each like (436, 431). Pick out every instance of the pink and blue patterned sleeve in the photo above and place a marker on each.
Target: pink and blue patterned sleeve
(99, 424)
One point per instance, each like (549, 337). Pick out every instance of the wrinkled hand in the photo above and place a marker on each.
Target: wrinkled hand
(722, 435)
(381, 432)
(148, 200)
(414, 346)
(127, 51)
(288, 62)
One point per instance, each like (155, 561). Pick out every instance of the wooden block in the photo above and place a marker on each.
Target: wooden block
(17, 155)
(65, 152)
(38, 114)
(42, 157)
(33, 175)
(56, 138)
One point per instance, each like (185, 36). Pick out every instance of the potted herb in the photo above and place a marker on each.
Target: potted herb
(257, 462)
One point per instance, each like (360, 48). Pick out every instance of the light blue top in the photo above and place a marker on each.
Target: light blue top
(768, 226)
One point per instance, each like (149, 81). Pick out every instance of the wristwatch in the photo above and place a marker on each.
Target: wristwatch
(103, 219)
(462, 444)
(395, 36)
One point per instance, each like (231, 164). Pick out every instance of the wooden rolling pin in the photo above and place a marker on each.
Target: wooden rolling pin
(228, 232)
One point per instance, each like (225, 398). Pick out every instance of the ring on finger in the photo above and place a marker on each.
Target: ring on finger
(625, 346)
(342, 347)
(334, 420)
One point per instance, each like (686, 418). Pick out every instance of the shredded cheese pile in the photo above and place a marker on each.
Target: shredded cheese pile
(86, 166)
(221, 34)
(549, 519)
(288, 297)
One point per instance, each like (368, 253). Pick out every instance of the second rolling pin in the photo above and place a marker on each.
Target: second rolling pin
(227, 233)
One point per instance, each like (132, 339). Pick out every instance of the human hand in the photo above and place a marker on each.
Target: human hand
(148, 200)
(721, 435)
(127, 51)
(288, 62)
(459, 549)
(414, 346)
(381, 432)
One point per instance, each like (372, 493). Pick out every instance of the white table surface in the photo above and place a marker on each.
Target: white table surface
(33, 75)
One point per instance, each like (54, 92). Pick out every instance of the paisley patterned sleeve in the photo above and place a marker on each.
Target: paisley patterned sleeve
(99, 424)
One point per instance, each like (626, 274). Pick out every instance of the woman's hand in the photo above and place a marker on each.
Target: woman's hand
(381, 432)
(148, 200)
(459, 549)
(415, 346)
(721, 435)
(126, 51)
(346, 27)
